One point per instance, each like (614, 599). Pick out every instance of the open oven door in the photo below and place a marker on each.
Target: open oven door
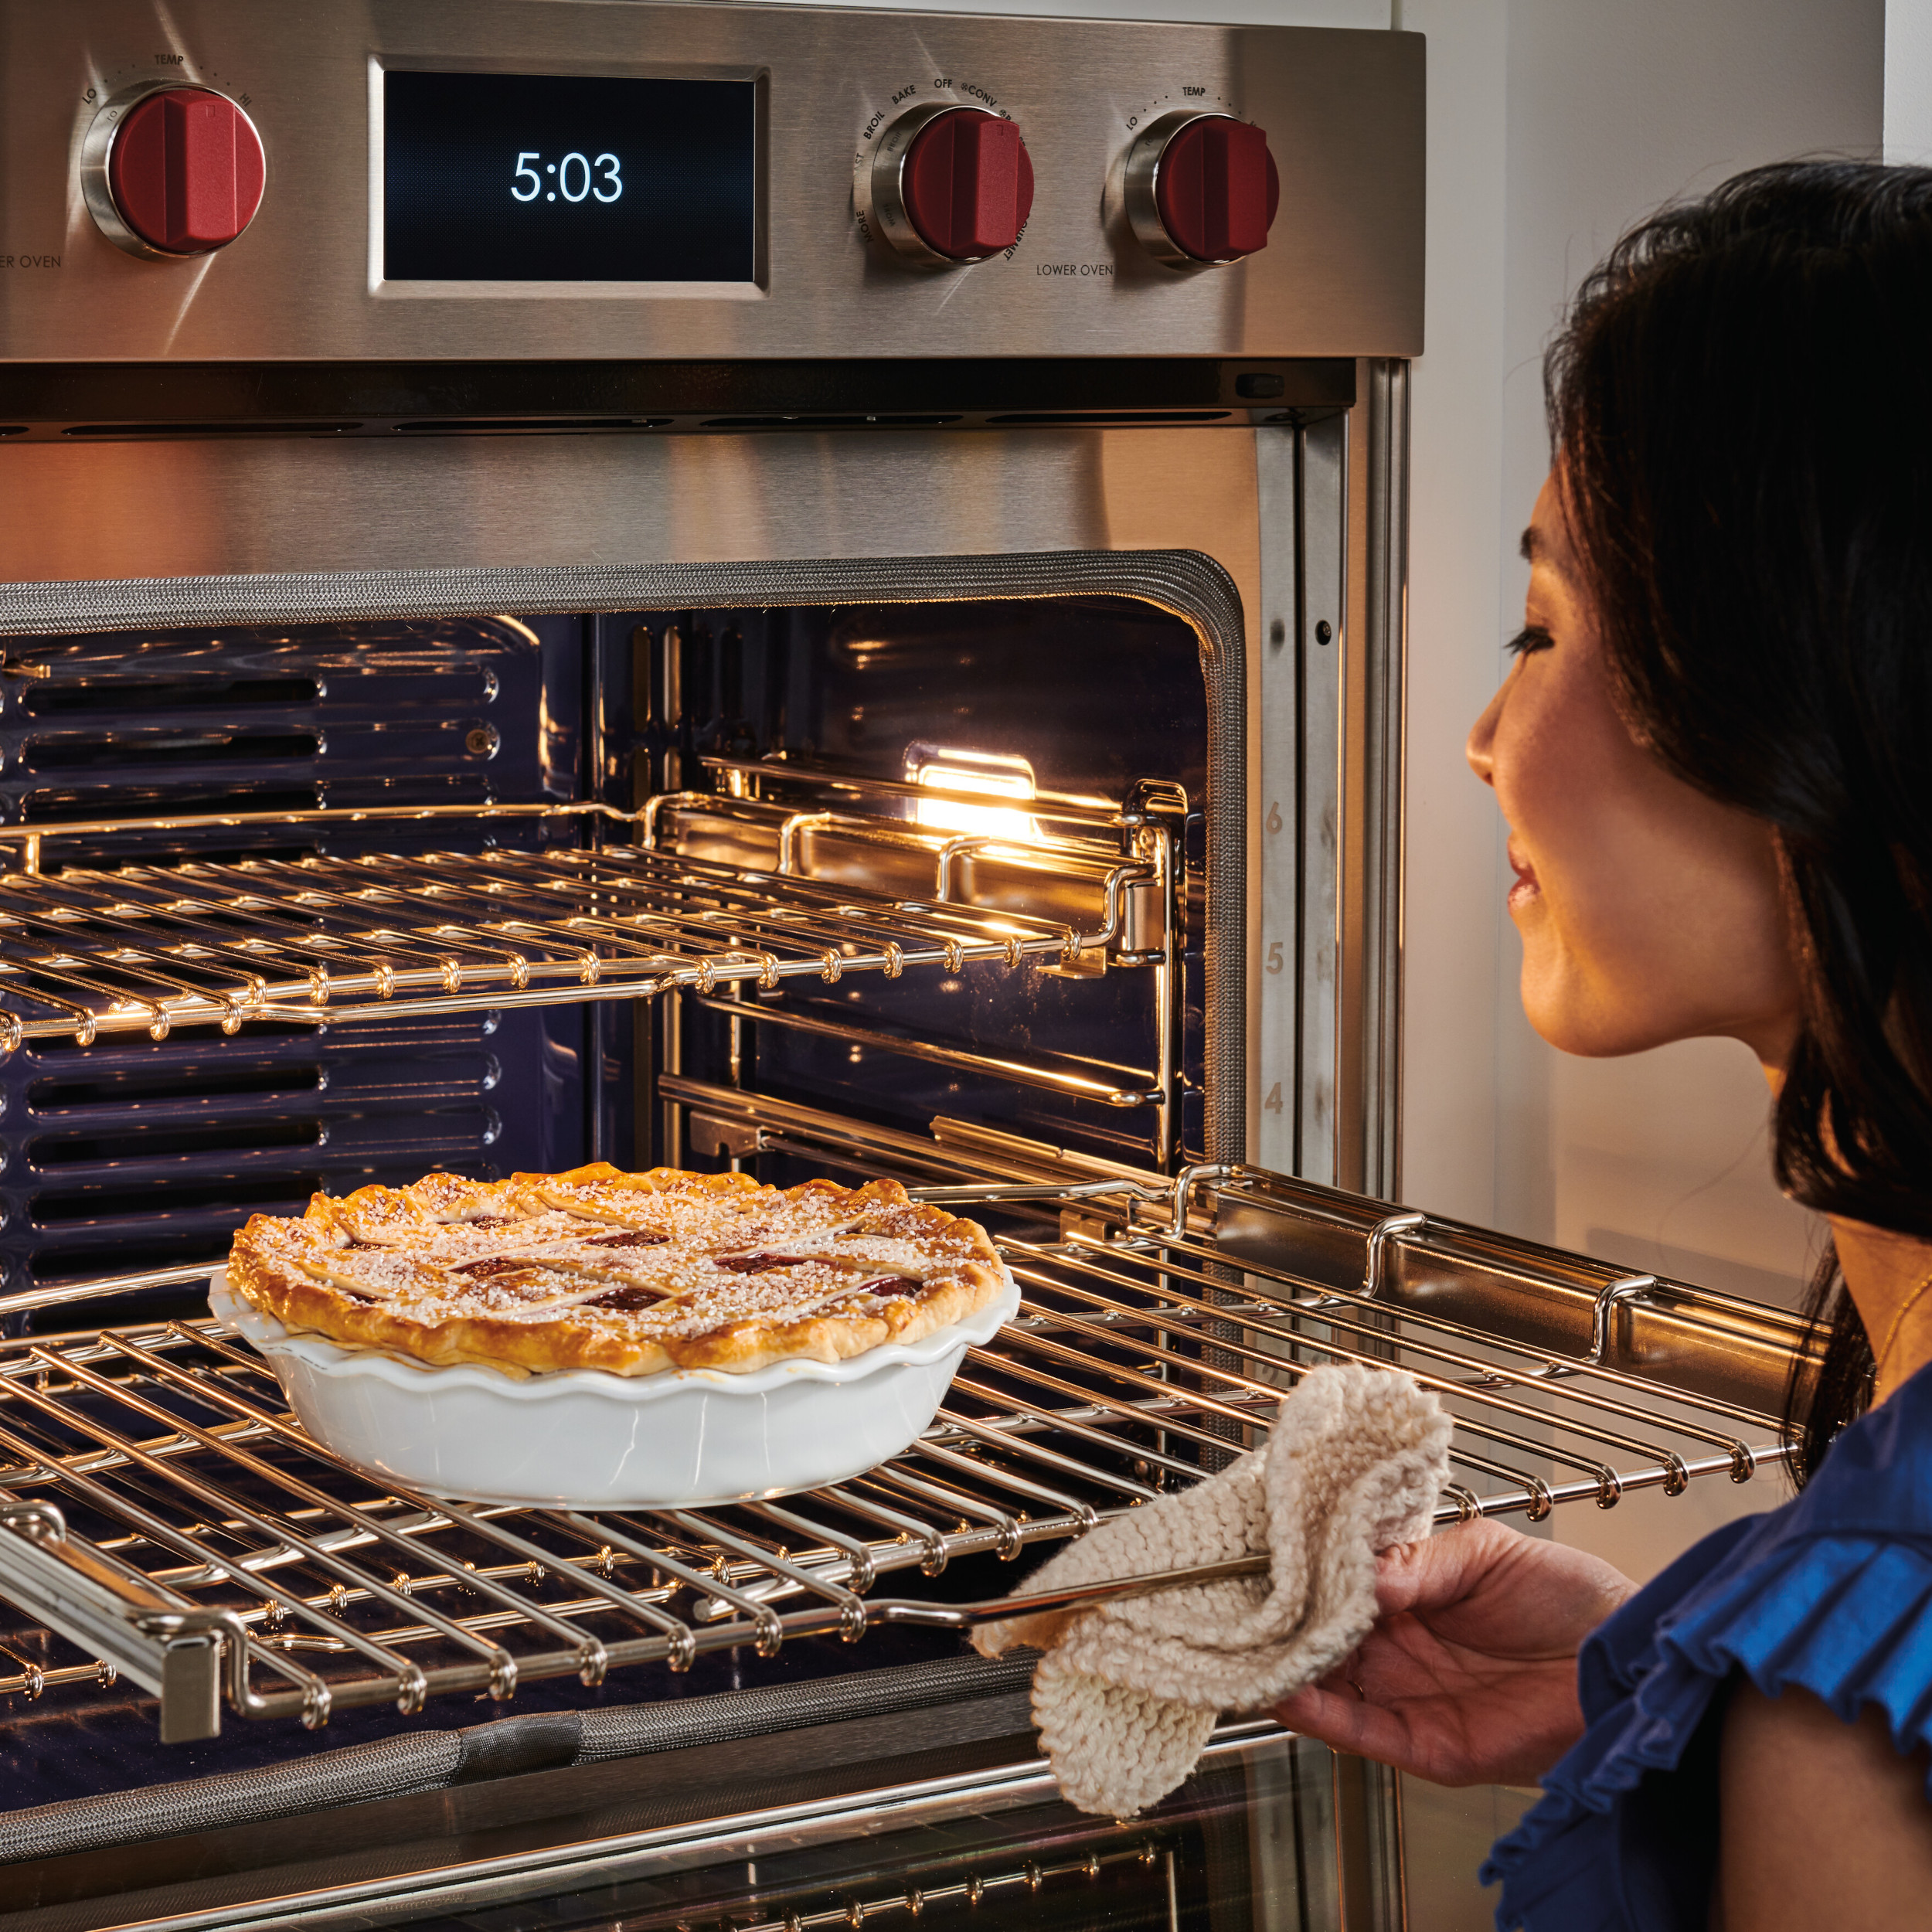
(768, 1780)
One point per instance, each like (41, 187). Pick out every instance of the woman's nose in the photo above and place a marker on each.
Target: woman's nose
(1481, 750)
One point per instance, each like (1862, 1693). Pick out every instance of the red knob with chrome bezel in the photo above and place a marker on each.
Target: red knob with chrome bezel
(946, 185)
(1202, 188)
(968, 184)
(177, 171)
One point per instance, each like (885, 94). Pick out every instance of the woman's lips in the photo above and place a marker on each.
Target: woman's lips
(1527, 886)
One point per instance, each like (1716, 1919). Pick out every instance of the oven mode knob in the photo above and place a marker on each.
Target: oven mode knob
(950, 184)
(1202, 188)
(173, 172)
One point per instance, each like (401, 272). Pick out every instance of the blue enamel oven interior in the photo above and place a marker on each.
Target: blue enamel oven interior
(137, 1153)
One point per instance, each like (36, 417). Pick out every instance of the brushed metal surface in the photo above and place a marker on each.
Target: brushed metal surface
(1677, 1337)
(1379, 965)
(90, 512)
(1300, 648)
(1343, 110)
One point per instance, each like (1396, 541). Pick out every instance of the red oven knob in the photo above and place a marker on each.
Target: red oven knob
(177, 171)
(968, 184)
(948, 185)
(1202, 188)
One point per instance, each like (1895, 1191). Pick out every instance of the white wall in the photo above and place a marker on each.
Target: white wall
(1908, 80)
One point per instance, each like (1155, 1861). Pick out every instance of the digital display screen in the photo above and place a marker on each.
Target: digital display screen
(532, 177)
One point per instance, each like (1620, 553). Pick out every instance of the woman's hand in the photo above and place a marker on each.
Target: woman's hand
(1469, 1676)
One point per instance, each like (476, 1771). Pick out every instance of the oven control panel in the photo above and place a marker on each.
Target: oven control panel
(511, 179)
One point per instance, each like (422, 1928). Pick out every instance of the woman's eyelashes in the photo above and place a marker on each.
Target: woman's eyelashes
(1531, 638)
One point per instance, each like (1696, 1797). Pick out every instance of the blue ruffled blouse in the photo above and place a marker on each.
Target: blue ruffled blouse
(1832, 1592)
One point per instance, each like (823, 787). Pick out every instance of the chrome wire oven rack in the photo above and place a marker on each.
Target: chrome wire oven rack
(1142, 1852)
(162, 1511)
(90, 951)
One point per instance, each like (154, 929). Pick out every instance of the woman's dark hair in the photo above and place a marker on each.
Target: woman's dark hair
(1740, 405)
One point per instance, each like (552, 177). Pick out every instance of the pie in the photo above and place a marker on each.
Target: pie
(633, 1273)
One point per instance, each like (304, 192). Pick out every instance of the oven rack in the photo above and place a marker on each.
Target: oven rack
(161, 1510)
(90, 951)
(1142, 1848)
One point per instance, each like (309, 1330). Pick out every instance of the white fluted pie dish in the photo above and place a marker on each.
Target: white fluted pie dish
(585, 1439)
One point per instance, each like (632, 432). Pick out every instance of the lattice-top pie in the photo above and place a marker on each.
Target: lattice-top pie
(630, 1273)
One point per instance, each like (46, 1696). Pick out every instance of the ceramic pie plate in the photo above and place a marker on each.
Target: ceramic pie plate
(587, 1440)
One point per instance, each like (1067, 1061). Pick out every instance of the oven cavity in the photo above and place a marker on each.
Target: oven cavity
(135, 1152)
(1044, 760)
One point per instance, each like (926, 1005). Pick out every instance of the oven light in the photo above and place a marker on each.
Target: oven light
(990, 774)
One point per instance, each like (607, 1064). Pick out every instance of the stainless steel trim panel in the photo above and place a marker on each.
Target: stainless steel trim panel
(86, 513)
(1324, 646)
(1304, 643)
(1385, 646)
(1343, 110)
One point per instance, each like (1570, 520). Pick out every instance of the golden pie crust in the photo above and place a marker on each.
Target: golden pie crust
(632, 1274)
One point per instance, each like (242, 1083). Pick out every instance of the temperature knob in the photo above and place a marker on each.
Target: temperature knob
(173, 171)
(950, 184)
(1202, 188)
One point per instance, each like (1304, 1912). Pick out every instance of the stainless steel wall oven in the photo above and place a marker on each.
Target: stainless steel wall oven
(817, 592)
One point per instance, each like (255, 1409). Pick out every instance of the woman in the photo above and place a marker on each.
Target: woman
(1714, 752)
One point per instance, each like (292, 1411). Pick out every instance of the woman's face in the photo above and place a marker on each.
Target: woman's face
(1648, 912)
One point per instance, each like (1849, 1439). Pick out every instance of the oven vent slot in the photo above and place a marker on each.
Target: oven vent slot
(47, 1099)
(136, 1151)
(1103, 418)
(525, 425)
(125, 1201)
(41, 699)
(140, 748)
(136, 1143)
(246, 427)
(1160, 1331)
(200, 724)
(827, 422)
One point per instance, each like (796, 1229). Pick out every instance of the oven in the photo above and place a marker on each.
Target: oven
(802, 591)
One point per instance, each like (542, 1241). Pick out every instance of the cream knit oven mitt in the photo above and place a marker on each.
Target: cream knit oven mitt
(1128, 1692)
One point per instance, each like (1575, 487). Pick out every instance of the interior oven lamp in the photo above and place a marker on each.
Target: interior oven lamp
(993, 774)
